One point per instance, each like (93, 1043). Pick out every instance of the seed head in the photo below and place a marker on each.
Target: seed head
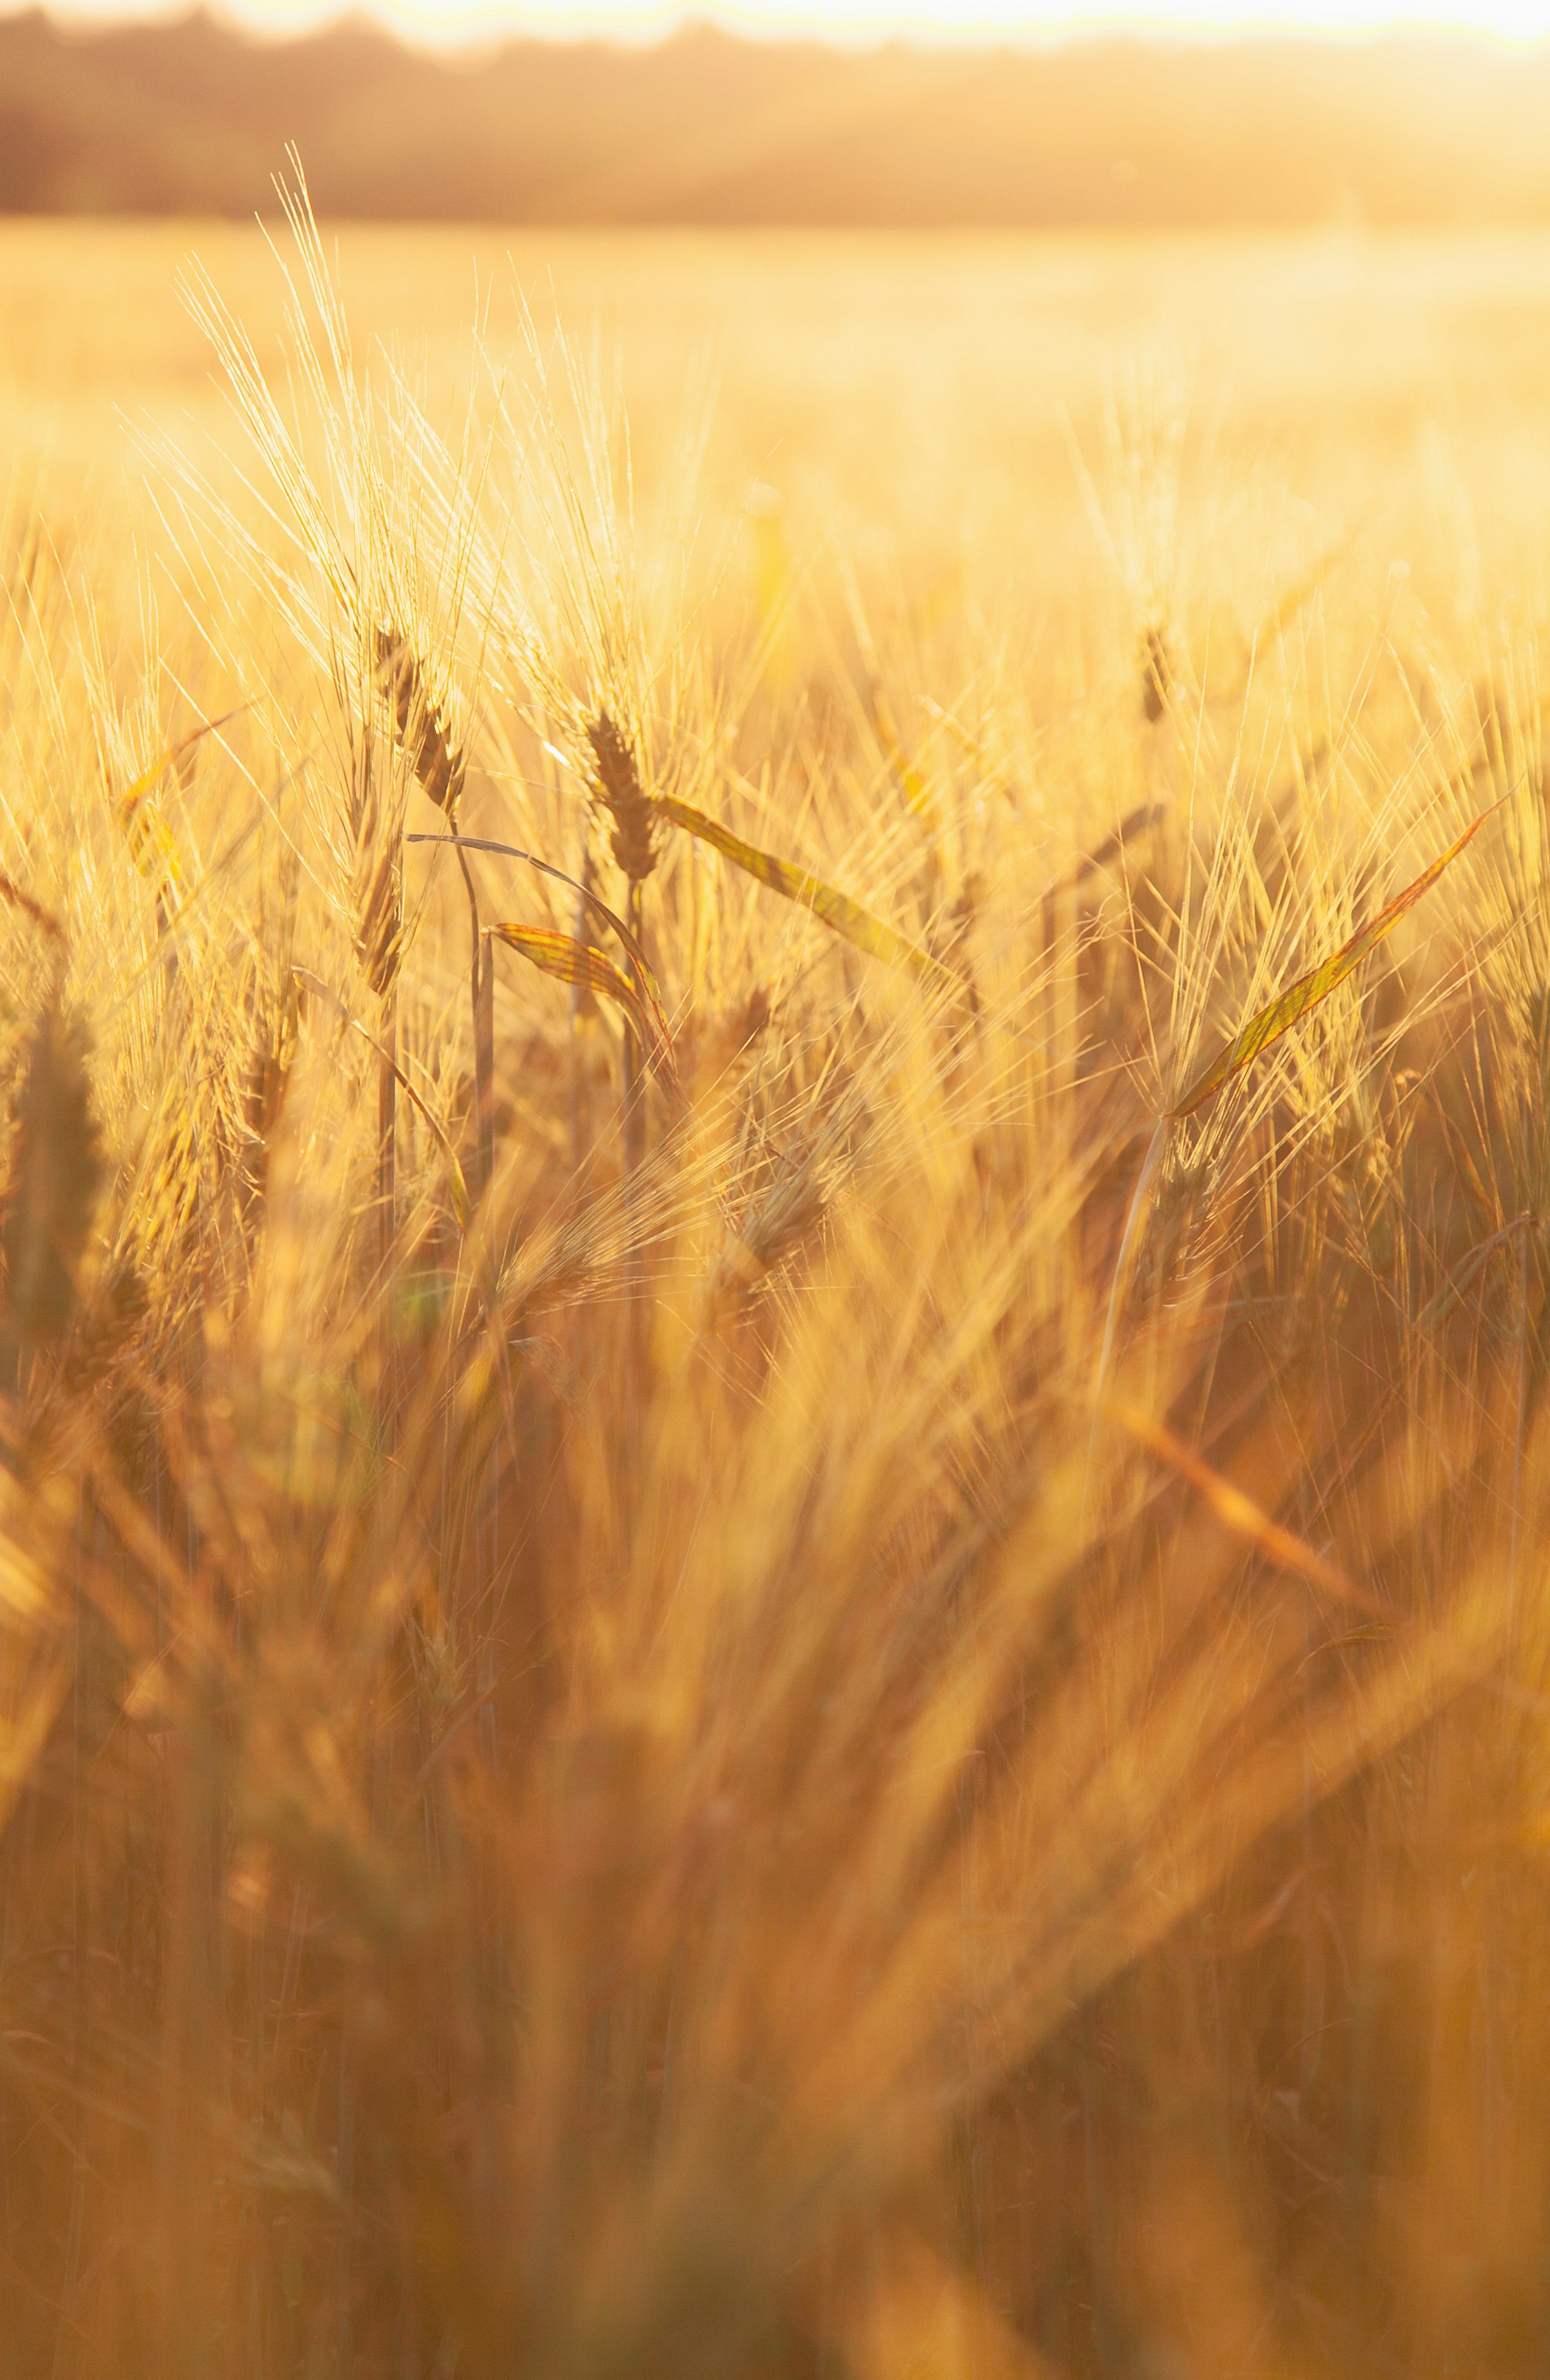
(619, 788)
(1156, 674)
(423, 734)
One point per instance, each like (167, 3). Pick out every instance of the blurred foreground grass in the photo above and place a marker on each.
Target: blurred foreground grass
(796, 1695)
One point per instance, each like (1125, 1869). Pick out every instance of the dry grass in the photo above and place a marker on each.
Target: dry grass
(712, 1668)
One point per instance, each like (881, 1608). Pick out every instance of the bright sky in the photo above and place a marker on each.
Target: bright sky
(451, 21)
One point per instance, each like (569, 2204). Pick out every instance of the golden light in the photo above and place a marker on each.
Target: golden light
(450, 22)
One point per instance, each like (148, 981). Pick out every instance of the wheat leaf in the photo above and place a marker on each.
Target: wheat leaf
(1290, 1006)
(133, 795)
(837, 911)
(153, 845)
(1242, 1515)
(650, 990)
(577, 963)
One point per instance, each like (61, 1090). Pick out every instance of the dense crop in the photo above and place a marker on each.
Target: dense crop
(776, 1490)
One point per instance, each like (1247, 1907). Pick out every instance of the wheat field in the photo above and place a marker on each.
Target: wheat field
(774, 1467)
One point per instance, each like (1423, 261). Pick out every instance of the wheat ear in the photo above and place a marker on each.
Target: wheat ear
(635, 848)
(439, 767)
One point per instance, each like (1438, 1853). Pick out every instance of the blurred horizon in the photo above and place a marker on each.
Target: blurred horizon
(705, 127)
(454, 27)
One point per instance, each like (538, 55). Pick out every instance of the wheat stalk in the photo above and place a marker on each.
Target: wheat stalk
(440, 771)
(51, 1196)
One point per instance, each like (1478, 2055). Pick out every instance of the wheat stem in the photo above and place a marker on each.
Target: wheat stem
(481, 988)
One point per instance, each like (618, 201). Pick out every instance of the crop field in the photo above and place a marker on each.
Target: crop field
(774, 1452)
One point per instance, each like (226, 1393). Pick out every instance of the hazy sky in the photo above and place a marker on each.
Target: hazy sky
(443, 20)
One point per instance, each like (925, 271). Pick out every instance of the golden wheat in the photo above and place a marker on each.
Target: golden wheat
(603, 1769)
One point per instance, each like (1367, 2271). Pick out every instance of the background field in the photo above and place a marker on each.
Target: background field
(826, 1684)
(188, 116)
(911, 402)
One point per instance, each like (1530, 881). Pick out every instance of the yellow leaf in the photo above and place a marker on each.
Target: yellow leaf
(153, 846)
(1290, 1006)
(650, 992)
(132, 795)
(577, 963)
(1242, 1515)
(837, 911)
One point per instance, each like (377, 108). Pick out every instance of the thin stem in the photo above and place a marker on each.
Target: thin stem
(632, 1122)
(580, 1101)
(633, 1117)
(481, 987)
(1518, 1443)
(484, 1059)
(387, 1131)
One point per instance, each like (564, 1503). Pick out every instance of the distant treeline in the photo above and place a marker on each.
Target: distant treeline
(190, 118)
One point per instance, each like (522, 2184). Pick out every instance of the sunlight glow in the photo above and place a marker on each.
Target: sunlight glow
(451, 23)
